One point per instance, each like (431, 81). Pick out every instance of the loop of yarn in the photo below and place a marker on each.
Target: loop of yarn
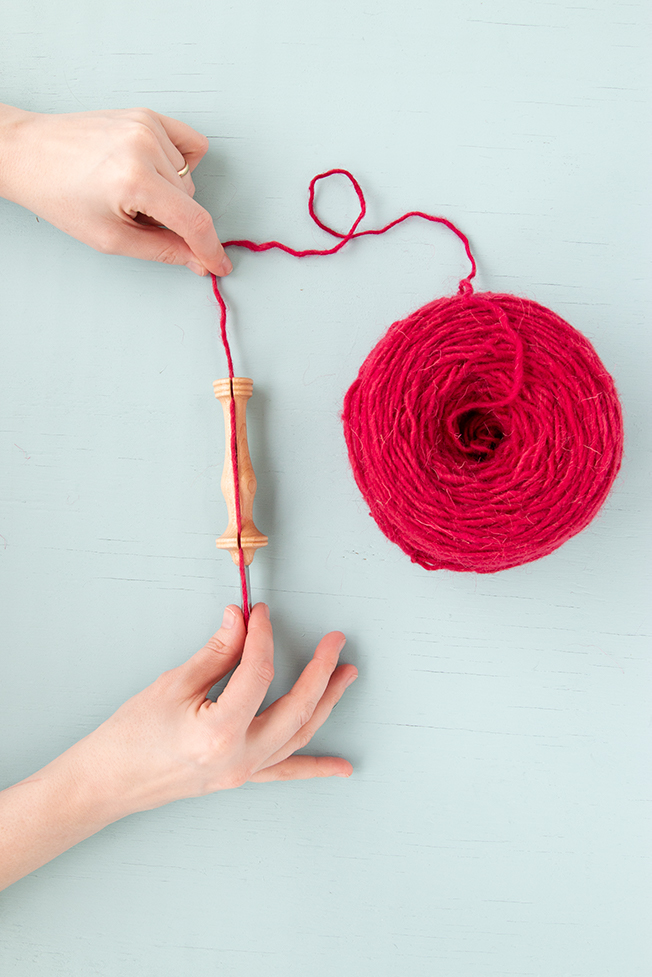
(483, 432)
(353, 232)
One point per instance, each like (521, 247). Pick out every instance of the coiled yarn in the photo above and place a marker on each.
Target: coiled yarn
(483, 432)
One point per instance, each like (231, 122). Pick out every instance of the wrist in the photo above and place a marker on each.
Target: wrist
(88, 782)
(13, 125)
(46, 814)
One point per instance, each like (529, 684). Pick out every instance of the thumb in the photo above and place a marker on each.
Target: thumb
(152, 243)
(216, 659)
(187, 228)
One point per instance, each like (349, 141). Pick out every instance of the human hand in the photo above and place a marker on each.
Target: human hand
(110, 179)
(170, 741)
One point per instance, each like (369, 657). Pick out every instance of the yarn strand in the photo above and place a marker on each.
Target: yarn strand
(465, 285)
(234, 454)
(483, 431)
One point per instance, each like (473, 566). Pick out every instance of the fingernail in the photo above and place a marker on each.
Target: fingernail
(226, 267)
(229, 619)
(266, 609)
(198, 270)
(350, 681)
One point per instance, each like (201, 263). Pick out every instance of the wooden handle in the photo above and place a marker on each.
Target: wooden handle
(250, 537)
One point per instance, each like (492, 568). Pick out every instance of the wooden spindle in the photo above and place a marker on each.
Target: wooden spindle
(250, 537)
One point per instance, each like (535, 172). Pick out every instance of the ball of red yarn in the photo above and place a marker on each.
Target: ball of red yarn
(483, 432)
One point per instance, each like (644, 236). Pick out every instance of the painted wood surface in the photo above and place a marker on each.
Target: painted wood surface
(497, 823)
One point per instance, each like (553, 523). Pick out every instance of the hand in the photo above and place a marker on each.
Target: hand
(110, 179)
(170, 741)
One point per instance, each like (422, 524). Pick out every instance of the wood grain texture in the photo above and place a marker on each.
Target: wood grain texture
(497, 823)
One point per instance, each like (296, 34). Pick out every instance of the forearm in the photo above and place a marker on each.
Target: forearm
(49, 812)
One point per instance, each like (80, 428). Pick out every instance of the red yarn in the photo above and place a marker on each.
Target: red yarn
(465, 284)
(234, 455)
(483, 431)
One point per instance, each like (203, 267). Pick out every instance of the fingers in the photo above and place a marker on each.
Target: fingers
(295, 710)
(216, 659)
(304, 768)
(171, 164)
(145, 238)
(151, 242)
(189, 143)
(159, 196)
(173, 207)
(180, 143)
(340, 680)
(248, 685)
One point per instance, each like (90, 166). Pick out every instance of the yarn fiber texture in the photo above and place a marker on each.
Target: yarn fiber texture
(483, 432)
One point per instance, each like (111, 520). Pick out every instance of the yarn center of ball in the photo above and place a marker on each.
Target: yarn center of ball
(479, 432)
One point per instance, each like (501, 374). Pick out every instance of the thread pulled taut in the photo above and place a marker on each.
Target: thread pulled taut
(246, 536)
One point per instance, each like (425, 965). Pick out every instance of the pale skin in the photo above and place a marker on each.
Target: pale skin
(170, 742)
(110, 179)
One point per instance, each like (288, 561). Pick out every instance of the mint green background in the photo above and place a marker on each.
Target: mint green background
(497, 823)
